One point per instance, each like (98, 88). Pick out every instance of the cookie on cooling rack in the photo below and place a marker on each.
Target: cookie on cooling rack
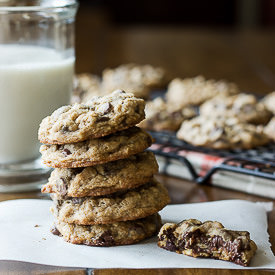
(270, 129)
(86, 86)
(243, 106)
(221, 133)
(162, 117)
(194, 91)
(269, 102)
(137, 79)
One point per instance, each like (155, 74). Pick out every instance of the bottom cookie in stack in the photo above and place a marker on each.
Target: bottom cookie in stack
(120, 218)
(118, 233)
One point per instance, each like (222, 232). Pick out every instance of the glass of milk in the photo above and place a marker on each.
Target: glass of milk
(36, 77)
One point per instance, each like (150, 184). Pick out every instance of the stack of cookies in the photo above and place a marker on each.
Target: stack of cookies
(103, 188)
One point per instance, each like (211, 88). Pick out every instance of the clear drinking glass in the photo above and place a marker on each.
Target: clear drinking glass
(36, 77)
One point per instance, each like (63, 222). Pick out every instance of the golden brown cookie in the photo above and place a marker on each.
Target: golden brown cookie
(103, 179)
(86, 86)
(90, 152)
(137, 79)
(194, 91)
(221, 133)
(162, 117)
(99, 117)
(269, 102)
(131, 205)
(244, 106)
(270, 129)
(209, 239)
(119, 233)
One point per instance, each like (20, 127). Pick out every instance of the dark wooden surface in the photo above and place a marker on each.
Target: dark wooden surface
(180, 192)
(246, 57)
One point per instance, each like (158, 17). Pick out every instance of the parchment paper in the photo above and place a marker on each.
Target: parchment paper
(25, 236)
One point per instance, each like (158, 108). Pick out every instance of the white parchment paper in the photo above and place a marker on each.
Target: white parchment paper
(25, 236)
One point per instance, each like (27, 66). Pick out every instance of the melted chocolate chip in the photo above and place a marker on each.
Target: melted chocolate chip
(66, 152)
(102, 119)
(55, 231)
(171, 239)
(65, 128)
(106, 239)
(170, 246)
(137, 109)
(78, 170)
(216, 242)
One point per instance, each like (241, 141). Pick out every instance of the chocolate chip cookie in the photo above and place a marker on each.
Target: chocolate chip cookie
(194, 91)
(99, 117)
(209, 239)
(131, 205)
(221, 133)
(243, 106)
(119, 233)
(85, 87)
(90, 152)
(162, 117)
(137, 79)
(269, 102)
(270, 129)
(103, 179)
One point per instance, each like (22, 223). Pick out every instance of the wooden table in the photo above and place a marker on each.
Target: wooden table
(180, 192)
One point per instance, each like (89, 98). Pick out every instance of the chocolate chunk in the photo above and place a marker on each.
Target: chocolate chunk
(170, 246)
(106, 239)
(102, 119)
(137, 109)
(65, 128)
(66, 152)
(170, 243)
(78, 170)
(55, 231)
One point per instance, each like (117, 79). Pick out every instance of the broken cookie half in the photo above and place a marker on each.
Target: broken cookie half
(209, 239)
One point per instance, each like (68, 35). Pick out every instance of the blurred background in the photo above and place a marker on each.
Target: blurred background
(220, 39)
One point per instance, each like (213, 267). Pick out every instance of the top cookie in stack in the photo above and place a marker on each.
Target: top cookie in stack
(104, 189)
(99, 117)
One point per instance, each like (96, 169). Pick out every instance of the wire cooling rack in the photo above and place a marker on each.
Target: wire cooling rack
(258, 162)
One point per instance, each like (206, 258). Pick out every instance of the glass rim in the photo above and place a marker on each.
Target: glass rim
(35, 8)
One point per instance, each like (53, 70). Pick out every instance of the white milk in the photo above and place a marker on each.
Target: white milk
(34, 81)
